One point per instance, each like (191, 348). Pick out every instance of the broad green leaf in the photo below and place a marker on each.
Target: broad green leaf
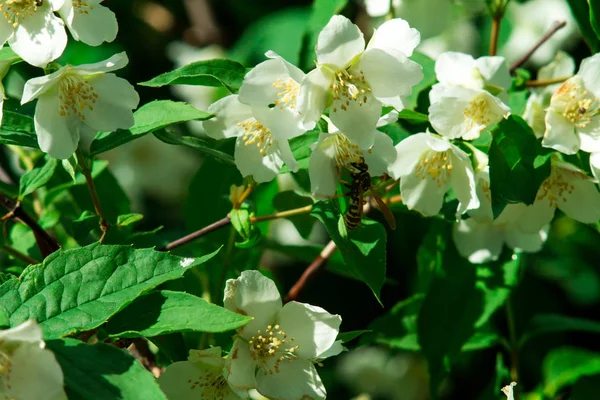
(321, 13)
(518, 164)
(363, 249)
(413, 116)
(240, 220)
(552, 323)
(301, 149)
(150, 117)
(203, 146)
(79, 289)
(517, 100)
(583, 15)
(289, 200)
(80, 228)
(216, 72)
(102, 371)
(165, 312)
(37, 177)
(128, 219)
(346, 337)
(420, 89)
(18, 130)
(564, 366)
(595, 16)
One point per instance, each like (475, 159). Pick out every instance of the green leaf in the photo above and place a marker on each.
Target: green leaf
(517, 100)
(150, 117)
(204, 146)
(79, 289)
(552, 323)
(240, 219)
(80, 228)
(216, 72)
(363, 250)
(70, 166)
(518, 164)
(18, 130)
(128, 219)
(346, 337)
(301, 147)
(322, 11)
(564, 366)
(165, 312)
(428, 80)
(595, 16)
(413, 116)
(102, 371)
(583, 15)
(37, 177)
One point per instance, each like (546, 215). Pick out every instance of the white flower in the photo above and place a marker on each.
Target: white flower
(508, 390)
(32, 30)
(562, 66)
(199, 378)
(334, 151)
(275, 352)
(458, 69)
(259, 150)
(480, 238)
(77, 100)
(27, 369)
(89, 22)
(573, 118)
(464, 113)
(356, 82)
(428, 166)
(568, 189)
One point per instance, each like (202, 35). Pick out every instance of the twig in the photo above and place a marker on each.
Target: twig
(310, 272)
(45, 242)
(545, 82)
(17, 254)
(283, 214)
(495, 34)
(140, 350)
(87, 172)
(243, 196)
(195, 235)
(557, 25)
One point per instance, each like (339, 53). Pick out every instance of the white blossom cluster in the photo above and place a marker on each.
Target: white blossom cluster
(274, 354)
(73, 100)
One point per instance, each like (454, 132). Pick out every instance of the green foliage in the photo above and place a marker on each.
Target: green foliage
(565, 365)
(585, 16)
(217, 72)
(101, 371)
(37, 177)
(165, 312)
(148, 118)
(202, 145)
(518, 164)
(18, 130)
(79, 289)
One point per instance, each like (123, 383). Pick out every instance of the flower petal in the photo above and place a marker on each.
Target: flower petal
(463, 181)
(560, 134)
(313, 96)
(57, 135)
(113, 109)
(527, 242)
(314, 330)
(28, 331)
(229, 112)
(357, 119)
(381, 155)
(480, 242)
(389, 73)
(296, 380)
(595, 164)
(396, 34)
(282, 122)
(589, 72)
(453, 68)
(258, 88)
(536, 216)
(240, 368)
(339, 43)
(582, 202)
(255, 295)
(322, 168)
(90, 22)
(422, 194)
(494, 71)
(409, 152)
(115, 62)
(251, 162)
(39, 38)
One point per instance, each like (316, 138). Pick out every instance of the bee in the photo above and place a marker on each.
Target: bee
(361, 182)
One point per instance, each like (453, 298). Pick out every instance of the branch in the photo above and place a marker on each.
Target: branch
(195, 235)
(317, 265)
(495, 34)
(545, 82)
(557, 25)
(45, 242)
(87, 173)
(18, 255)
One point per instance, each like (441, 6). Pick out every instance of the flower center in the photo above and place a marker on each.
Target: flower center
(435, 166)
(557, 187)
(270, 348)
(212, 385)
(349, 88)
(477, 113)
(75, 95)
(82, 6)
(288, 90)
(15, 11)
(257, 134)
(580, 106)
(346, 152)
(5, 369)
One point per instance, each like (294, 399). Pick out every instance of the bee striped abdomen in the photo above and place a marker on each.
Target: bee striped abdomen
(361, 181)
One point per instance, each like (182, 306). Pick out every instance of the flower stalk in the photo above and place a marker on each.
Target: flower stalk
(87, 173)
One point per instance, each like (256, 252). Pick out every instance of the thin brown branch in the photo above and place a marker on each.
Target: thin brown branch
(87, 173)
(243, 196)
(557, 25)
(18, 255)
(140, 350)
(195, 235)
(283, 214)
(495, 34)
(546, 82)
(317, 265)
(45, 242)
